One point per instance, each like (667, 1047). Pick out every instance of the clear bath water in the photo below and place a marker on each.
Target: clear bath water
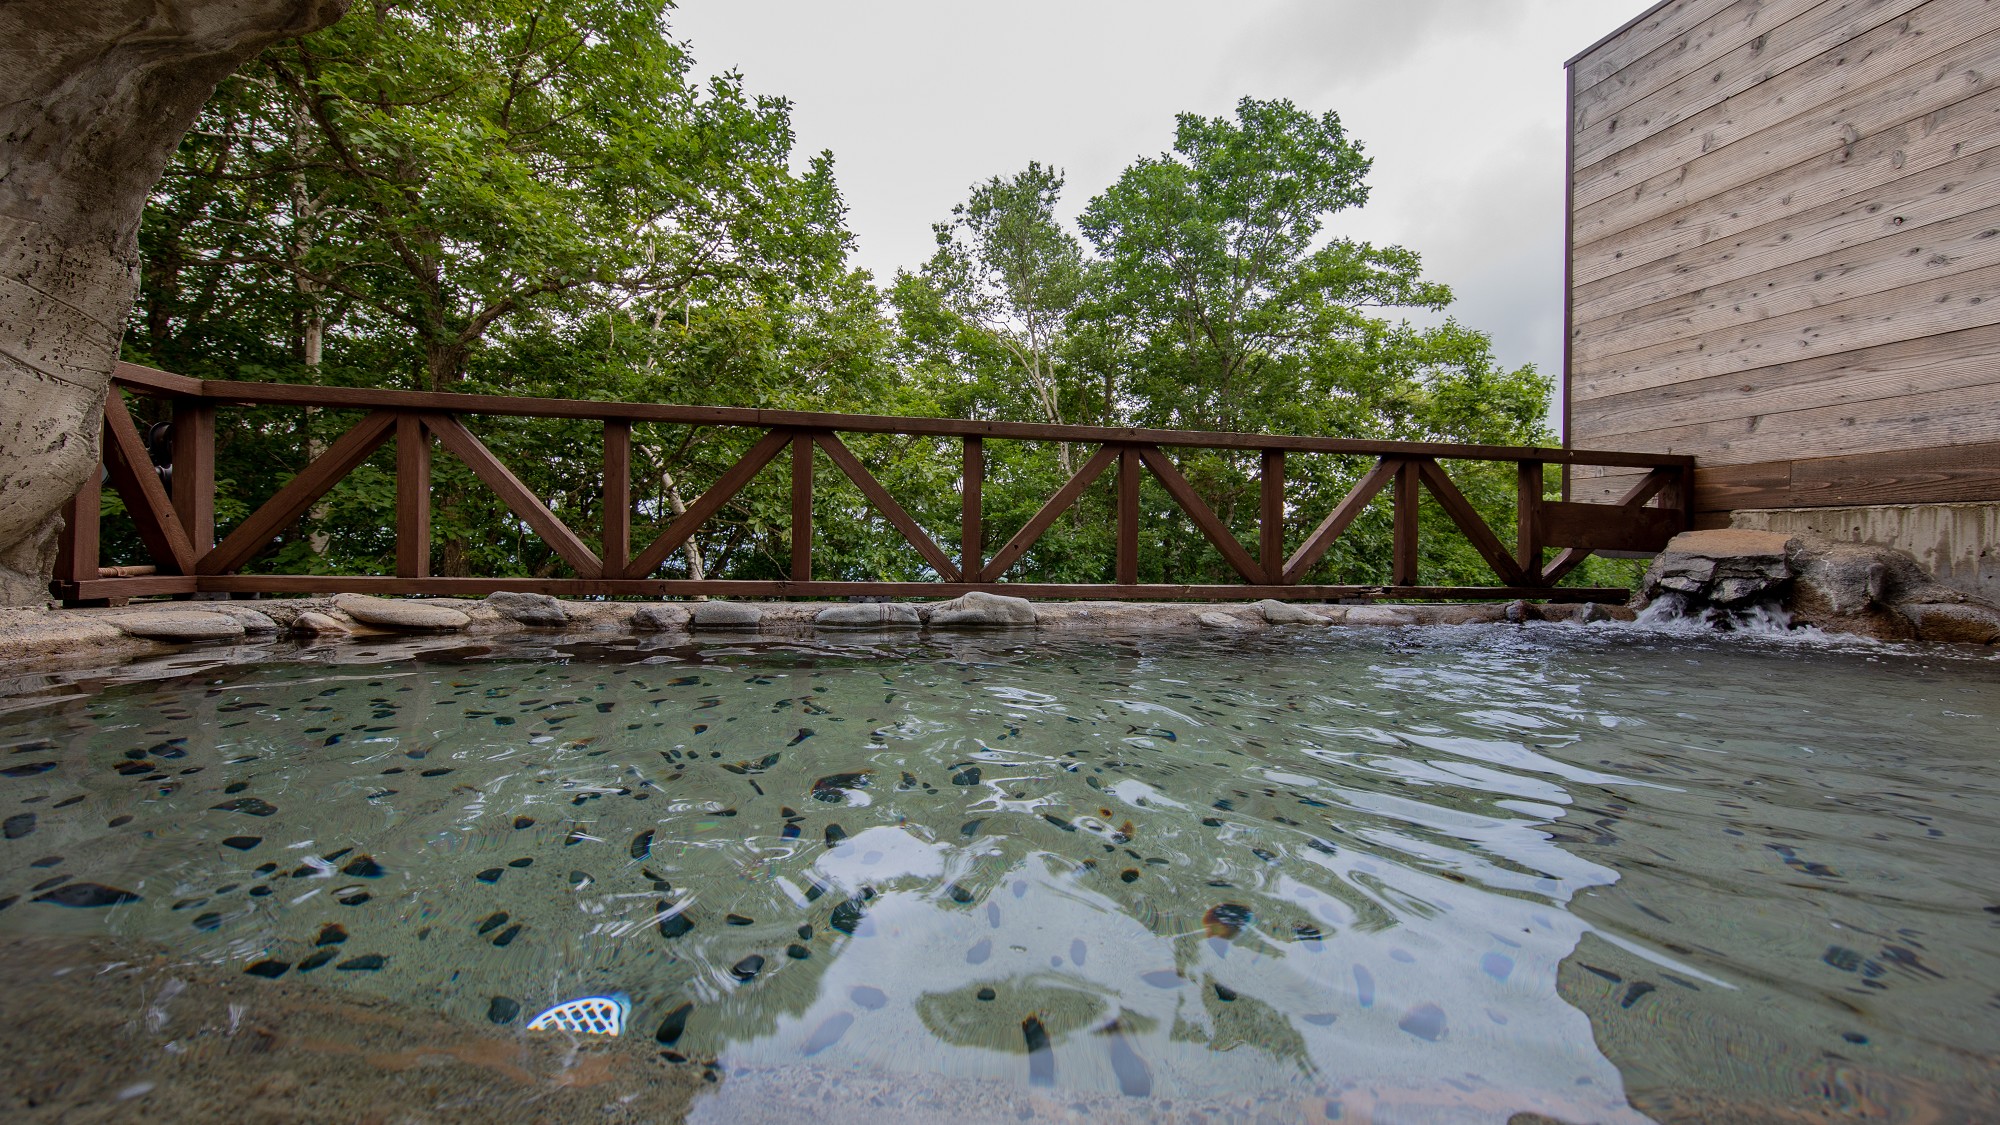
(1602, 874)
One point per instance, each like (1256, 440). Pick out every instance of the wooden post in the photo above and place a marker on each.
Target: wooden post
(413, 498)
(1528, 516)
(194, 471)
(1128, 515)
(76, 547)
(1271, 517)
(802, 503)
(1403, 571)
(971, 545)
(617, 540)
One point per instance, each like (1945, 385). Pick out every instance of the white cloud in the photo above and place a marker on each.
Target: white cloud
(1460, 102)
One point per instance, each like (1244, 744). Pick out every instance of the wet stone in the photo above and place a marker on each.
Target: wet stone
(502, 1010)
(269, 970)
(87, 896)
(737, 920)
(747, 968)
(490, 875)
(675, 925)
(331, 934)
(316, 959)
(506, 937)
(366, 963)
(986, 994)
(249, 806)
(241, 843)
(363, 867)
(207, 923)
(798, 952)
(521, 822)
(672, 1027)
(18, 825)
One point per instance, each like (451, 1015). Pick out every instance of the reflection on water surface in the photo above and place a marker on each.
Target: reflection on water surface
(1402, 876)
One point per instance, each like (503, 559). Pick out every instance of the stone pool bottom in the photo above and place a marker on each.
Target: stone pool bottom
(1462, 874)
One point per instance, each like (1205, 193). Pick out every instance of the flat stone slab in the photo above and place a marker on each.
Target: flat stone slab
(1729, 543)
(180, 626)
(878, 615)
(319, 624)
(397, 613)
(1379, 615)
(1218, 619)
(725, 615)
(978, 610)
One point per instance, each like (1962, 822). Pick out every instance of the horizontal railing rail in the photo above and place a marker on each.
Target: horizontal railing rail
(174, 512)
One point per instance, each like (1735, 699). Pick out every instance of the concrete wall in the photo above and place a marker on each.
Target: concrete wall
(1959, 543)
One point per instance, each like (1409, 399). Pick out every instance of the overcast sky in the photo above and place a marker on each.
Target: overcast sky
(1459, 102)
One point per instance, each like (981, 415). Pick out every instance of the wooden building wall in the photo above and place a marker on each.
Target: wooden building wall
(1785, 250)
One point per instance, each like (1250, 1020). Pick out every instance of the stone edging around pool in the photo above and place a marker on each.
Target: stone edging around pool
(36, 640)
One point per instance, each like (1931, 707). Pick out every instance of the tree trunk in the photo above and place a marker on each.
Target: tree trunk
(94, 98)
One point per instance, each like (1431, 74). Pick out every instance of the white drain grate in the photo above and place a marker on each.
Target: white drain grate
(588, 1015)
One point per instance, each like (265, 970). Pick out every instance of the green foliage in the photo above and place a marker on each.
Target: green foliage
(533, 197)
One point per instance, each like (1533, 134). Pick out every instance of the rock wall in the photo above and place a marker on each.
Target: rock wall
(1850, 588)
(94, 96)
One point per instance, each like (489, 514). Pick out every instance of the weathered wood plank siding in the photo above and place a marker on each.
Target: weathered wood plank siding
(1785, 250)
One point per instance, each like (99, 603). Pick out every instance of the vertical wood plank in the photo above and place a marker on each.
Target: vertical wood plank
(1128, 515)
(802, 502)
(1271, 517)
(77, 547)
(1527, 511)
(194, 471)
(1403, 571)
(971, 541)
(413, 498)
(617, 539)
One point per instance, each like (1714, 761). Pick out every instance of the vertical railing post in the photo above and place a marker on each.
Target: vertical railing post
(76, 547)
(616, 546)
(413, 497)
(971, 545)
(1403, 569)
(1528, 518)
(1679, 497)
(194, 471)
(1128, 515)
(802, 503)
(1271, 516)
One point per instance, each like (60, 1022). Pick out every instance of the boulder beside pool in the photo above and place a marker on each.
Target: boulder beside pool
(536, 610)
(726, 615)
(877, 615)
(179, 626)
(979, 610)
(1284, 613)
(662, 618)
(399, 613)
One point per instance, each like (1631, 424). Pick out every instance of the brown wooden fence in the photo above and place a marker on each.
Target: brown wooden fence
(176, 519)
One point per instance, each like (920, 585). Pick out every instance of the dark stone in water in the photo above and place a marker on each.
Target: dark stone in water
(847, 916)
(959, 894)
(677, 925)
(259, 891)
(986, 994)
(1226, 920)
(242, 843)
(8, 900)
(827, 1033)
(579, 880)
(506, 937)
(47, 883)
(747, 968)
(121, 820)
(1059, 822)
(363, 867)
(493, 922)
(439, 771)
(1129, 875)
(235, 787)
(967, 776)
(502, 1009)
(672, 1027)
(832, 788)
(642, 845)
(251, 806)
(524, 861)
(806, 932)
(1425, 1021)
(834, 835)
(798, 952)
(269, 970)
(351, 896)
(331, 934)
(366, 963)
(737, 920)
(871, 998)
(207, 923)
(18, 825)
(86, 895)
(47, 861)
(315, 960)
(970, 828)
(28, 769)
(521, 822)
(1225, 993)
(789, 832)
(1041, 1060)
(490, 875)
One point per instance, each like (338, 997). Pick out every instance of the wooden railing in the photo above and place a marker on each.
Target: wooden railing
(175, 517)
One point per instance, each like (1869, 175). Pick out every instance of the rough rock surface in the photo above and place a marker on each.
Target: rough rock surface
(1225, 620)
(878, 615)
(979, 610)
(660, 618)
(401, 613)
(93, 99)
(537, 610)
(1721, 568)
(726, 615)
(1284, 613)
(179, 626)
(254, 622)
(319, 624)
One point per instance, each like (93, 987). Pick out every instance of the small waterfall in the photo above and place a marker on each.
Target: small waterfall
(1676, 612)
